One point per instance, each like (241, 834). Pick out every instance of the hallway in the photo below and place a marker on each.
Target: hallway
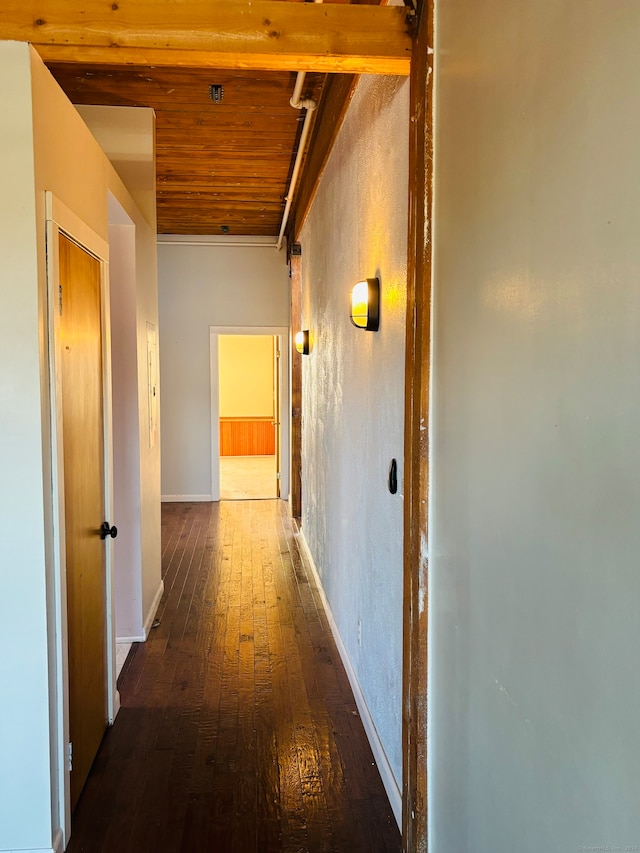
(238, 730)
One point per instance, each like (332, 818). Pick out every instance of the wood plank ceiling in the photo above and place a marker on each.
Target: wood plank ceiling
(220, 167)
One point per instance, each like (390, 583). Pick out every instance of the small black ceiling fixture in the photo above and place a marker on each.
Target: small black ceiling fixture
(216, 93)
(224, 229)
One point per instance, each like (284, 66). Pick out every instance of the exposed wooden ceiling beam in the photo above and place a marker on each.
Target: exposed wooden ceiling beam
(265, 35)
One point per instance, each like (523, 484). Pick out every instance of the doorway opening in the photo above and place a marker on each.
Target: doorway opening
(248, 400)
(249, 405)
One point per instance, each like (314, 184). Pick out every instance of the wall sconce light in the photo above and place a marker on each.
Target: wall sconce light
(302, 342)
(365, 305)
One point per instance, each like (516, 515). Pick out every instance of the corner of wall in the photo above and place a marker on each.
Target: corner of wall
(151, 613)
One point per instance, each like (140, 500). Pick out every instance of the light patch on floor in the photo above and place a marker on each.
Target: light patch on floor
(247, 478)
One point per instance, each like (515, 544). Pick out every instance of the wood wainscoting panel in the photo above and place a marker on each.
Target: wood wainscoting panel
(247, 437)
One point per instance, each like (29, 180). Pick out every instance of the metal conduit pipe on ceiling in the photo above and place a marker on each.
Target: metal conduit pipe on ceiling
(309, 105)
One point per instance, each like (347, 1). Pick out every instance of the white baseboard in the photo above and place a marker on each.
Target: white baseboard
(34, 850)
(57, 842)
(151, 615)
(148, 622)
(56, 846)
(386, 773)
(186, 499)
(116, 706)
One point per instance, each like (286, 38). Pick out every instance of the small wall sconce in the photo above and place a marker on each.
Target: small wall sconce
(302, 342)
(365, 305)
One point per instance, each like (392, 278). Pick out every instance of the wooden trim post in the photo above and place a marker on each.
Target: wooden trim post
(417, 372)
(296, 388)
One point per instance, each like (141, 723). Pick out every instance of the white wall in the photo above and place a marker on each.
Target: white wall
(25, 800)
(534, 740)
(45, 146)
(353, 395)
(147, 311)
(63, 162)
(202, 286)
(127, 546)
(127, 135)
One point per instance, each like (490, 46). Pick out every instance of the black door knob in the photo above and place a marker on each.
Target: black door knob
(105, 530)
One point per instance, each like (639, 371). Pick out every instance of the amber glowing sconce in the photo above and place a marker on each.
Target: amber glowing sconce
(365, 305)
(302, 342)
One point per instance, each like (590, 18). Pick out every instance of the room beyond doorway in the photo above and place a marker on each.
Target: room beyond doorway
(248, 395)
(249, 413)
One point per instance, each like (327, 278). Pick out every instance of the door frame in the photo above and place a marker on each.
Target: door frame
(214, 374)
(60, 219)
(417, 518)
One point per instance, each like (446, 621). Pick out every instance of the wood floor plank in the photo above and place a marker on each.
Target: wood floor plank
(238, 731)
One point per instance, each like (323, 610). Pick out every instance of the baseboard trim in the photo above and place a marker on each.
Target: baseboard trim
(386, 773)
(116, 707)
(151, 615)
(148, 622)
(56, 846)
(57, 843)
(186, 499)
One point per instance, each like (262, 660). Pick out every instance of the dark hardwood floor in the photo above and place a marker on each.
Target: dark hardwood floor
(238, 730)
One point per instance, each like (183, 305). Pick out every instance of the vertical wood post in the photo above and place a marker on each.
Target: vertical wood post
(296, 389)
(417, 371)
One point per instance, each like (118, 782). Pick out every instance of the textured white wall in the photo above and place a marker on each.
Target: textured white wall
(353, 387)
(203, 286)
(534, 581)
